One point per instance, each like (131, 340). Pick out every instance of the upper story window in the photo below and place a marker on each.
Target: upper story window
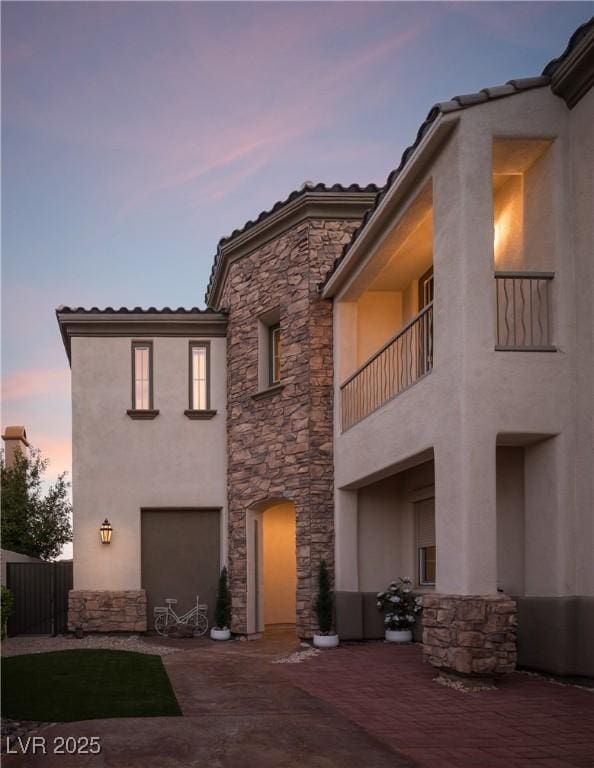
(142, 375)
(269, 353)
(199, 376)
(274, 341)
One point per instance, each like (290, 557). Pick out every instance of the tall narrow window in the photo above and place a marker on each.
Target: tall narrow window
(199, 384)
(142, 375)
(274, 354)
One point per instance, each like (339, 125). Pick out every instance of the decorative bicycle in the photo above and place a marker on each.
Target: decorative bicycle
(166, 617)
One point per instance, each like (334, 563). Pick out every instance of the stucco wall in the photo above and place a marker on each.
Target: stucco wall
(475, 396)
(121, 465)
(6, 556)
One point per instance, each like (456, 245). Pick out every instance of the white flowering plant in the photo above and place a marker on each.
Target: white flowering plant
(399, 606)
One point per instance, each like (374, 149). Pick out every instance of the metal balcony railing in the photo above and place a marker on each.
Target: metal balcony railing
(403, 360)
(523, 301)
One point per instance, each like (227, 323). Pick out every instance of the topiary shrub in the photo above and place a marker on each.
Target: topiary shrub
(324, 605)
(223, 605)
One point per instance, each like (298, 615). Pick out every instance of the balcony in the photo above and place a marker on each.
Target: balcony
(523, 305)
(396, 366)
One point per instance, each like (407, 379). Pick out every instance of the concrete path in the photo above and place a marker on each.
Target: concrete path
(240, 711)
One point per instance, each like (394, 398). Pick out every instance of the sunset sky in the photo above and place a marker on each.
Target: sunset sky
(135, 135)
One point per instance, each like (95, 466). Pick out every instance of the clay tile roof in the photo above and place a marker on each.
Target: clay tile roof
(297, 193)
(135, 310)
(458, 103)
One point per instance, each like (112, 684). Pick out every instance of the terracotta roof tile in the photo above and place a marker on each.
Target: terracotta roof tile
(307, 187)
(135, 310)
(457, 103)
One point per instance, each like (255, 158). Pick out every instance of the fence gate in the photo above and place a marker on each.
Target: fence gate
(40, 597)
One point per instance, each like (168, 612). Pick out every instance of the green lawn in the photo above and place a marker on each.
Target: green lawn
(83, 685)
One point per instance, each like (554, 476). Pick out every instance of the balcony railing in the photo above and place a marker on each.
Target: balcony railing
(523, 303)
(403, 360)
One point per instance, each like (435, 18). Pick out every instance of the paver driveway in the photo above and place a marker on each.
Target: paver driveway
(240, 711)
(528, 722)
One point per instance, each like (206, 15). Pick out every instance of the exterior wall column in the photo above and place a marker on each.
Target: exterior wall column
(346, 541)
(468, 628)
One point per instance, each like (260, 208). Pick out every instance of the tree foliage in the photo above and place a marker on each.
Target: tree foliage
(324, 604)
(34, 523)
(223, 605)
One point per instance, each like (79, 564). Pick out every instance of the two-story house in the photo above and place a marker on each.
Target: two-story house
(398, 381)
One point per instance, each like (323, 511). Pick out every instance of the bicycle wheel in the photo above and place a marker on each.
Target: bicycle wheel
(199, 623)
(161, 624)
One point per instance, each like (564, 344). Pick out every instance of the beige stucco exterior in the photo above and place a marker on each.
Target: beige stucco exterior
(121, 464)
(476, 397)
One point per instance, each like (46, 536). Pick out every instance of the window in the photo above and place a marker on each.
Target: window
(142, 375)
(199, 376)
(274, 354)
(426, 550)
(426, 289)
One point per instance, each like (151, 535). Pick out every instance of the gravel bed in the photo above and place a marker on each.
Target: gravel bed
(17, 646)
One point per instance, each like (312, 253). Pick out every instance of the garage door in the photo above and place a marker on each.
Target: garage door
(180, 557)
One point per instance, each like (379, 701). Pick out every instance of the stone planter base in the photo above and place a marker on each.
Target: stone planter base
(470, 634)
(220, 634)
(399, 635)
(107, 610)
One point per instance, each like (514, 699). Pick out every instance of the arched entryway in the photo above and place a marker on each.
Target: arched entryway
(272, 566)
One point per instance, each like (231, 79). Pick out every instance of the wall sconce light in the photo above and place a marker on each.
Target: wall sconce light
(105, 531)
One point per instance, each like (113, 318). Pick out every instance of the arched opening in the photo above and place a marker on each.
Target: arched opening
(272, 565)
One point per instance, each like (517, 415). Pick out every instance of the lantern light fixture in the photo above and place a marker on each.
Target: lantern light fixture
(105, 531)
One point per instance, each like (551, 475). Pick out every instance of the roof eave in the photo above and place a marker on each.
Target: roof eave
(423, 156)
(312, 204)
(101, 324)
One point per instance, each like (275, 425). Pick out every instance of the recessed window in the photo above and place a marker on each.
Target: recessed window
(426, 549)
(199, 376)
(274, 354)
(142, 375)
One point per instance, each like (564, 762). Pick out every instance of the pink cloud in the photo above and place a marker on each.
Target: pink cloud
(35, 382)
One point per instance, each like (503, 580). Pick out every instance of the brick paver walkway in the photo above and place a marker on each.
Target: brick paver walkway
(528, 722)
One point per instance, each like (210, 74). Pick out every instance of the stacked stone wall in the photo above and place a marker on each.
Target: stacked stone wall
(107, 611)
(280, 446)
(470, 634)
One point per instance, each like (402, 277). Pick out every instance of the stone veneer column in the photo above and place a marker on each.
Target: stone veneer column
(107, 610)
(470, 634)
(280, 446)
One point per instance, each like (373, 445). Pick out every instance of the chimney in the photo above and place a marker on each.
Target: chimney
(15, 439)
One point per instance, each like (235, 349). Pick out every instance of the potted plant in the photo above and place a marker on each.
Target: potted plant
(221, 629)
(400, 608)
(324, 607)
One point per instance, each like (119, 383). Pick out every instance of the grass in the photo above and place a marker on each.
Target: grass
(63, 686)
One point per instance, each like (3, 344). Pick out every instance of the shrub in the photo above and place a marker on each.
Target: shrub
(399, 604)
(6, 601)
(223, 605)
(324, 604)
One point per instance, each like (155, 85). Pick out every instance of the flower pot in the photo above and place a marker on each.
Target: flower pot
(399, 635)
(220, 634)
(325, 641)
